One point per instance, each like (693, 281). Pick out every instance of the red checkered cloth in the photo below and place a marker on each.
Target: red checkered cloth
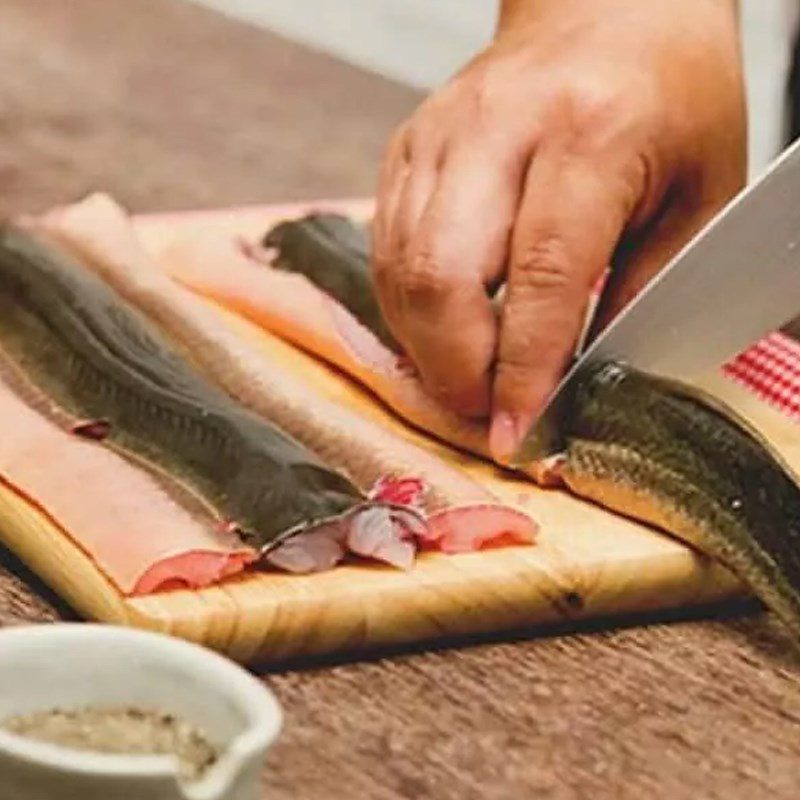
(771, 369)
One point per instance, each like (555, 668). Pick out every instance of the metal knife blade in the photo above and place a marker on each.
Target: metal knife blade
(736, 281)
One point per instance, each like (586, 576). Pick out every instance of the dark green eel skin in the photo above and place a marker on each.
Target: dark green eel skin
(670, 456)
(98, 358)
(333, 253)
(650, 449)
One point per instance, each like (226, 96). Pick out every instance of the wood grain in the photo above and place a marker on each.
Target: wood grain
(675, 706)
(587, 563)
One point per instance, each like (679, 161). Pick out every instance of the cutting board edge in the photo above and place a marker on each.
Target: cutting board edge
(246, 637)
(675, 578)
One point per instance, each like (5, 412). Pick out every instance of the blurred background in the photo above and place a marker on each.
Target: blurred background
(169, 104)
(421, 42)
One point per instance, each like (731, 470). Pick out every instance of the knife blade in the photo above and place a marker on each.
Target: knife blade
(736, 281)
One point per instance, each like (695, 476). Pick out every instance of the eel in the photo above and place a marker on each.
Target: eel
(345, 272)
(665, 454)
(290, 303)
(99, 361)
(98, 232)
(676, 458)
(125, 519)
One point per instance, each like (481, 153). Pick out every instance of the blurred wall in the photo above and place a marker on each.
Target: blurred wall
(422, 42)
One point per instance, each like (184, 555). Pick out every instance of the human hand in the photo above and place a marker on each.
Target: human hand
(590, 131)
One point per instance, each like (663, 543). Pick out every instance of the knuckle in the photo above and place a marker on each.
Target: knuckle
(592, 106)
(382, 266)
(528, 361)
(484, 96)
(455, 393)
(427, 144)
(544, 265)
(591, 116)
(514, 366)
(401, 135)
(530, 346)
(515, 382)
(423, 282)
(398, 145)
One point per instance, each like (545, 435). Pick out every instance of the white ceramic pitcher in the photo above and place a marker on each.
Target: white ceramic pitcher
(78, 665)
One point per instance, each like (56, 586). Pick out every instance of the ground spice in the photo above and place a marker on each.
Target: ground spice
(128, 731)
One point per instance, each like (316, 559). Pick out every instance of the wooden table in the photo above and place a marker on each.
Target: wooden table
(168, 106)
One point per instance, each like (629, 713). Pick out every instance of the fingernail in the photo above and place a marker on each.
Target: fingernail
(503, 437)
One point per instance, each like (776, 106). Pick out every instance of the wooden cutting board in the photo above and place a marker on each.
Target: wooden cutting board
(588, 562)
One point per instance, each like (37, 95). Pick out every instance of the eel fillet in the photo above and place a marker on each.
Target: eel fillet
(263, 286)
(344, 273)
(99, 232)
(290, 306)
(655, 451)
(121, 516)
(91, 355)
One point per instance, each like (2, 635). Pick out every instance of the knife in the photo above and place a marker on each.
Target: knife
(736, 281)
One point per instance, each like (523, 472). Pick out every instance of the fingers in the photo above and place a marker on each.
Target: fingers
(449, 236)
(385, 244)
(570, 220)
(415, 197)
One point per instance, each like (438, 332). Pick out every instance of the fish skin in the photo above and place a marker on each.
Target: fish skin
(99, 232)
(141, 538)
(98, 358)
(293, 308)
(140, 281)
(668, 455)
(269, 297)
(649, 449)
(334, 254)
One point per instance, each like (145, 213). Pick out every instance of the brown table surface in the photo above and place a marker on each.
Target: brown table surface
(169, 106)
